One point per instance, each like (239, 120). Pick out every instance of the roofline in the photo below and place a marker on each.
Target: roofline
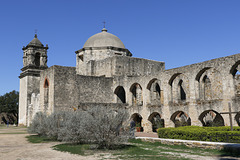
(107, 47)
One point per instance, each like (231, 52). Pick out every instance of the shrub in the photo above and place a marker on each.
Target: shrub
(220, 134)
(39, 124)
(104, 127)
(55, 123)
(99, 125)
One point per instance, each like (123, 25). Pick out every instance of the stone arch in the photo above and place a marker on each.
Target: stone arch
(235, 71)
(198, 76)
(210, 118)
(156, 120)
(200, 83)
(235, 68)
(37, 59)
(155, 92)
(179, 88)
(180, 118)
(46, 83)
(237, 118)
(172, 78)
(209, 84)
(136, 91)
(137, 118)
(121, 95)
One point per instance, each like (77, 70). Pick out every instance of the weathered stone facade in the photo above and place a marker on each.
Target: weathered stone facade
(105, 73)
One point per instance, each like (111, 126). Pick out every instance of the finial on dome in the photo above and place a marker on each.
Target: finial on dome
(104, 29)
(104, 23)
(35, 36)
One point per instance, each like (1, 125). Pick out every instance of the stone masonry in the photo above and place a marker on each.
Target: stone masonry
(106, 73)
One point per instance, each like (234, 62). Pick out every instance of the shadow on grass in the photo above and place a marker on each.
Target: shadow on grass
(88, 149)
(39, 139)
(230, 151)
(72, 148)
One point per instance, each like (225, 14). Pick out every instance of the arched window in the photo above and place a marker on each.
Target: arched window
(207, 93)
(182, 93)
(155, 92)
(236, 77)
(209, 82)
(121, 95)
(46, 94)
(46, 83)
(37, 59)
(179, 84)
(136, 90)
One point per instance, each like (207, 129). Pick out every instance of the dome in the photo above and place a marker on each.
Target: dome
(104, 39)
(35, 42)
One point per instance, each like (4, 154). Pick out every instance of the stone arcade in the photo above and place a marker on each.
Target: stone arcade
(107, 74)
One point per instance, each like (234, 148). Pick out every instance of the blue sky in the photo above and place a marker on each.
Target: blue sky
(178, 32)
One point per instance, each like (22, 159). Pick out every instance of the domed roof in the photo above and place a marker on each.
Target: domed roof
(35, 42)
(104, 39)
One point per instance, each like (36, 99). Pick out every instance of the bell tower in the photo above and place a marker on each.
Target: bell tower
(34, 61)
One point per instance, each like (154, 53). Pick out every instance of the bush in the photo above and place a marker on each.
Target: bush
(107, 131)
(217, 134)
(100, 125)
(39, 124)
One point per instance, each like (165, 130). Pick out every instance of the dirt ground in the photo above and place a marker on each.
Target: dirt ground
(16, 147)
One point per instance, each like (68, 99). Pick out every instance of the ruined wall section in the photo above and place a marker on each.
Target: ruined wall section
(129, 66)
(71, 89)
(146, 108)
(223, 91)
(65, 89)
(47, 92)
(222, 88)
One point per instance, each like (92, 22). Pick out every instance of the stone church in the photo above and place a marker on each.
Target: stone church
(107, 74)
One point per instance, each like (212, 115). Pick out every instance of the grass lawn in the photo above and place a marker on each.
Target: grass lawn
(137, 149)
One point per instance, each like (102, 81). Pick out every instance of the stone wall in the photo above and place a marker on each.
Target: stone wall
(67, 89)
(93, 89)
(47, 92)
(200, 97)
(128, 66)
(28, 85)
(189, 95)
(86, 56)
